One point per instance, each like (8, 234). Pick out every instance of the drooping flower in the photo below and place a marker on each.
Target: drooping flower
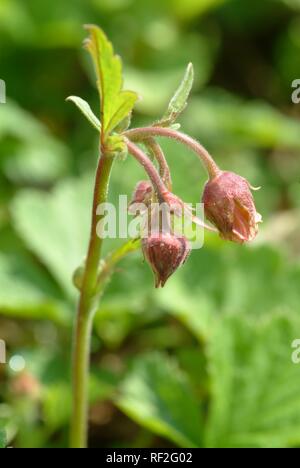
(165, 253)
(229, 205)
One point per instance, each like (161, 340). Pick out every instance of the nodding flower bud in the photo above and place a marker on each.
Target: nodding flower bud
(229, 205)
(165, 253)
(142, 194)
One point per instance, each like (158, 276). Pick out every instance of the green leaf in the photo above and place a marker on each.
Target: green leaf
(57, 406)
(254, 383)
(27, 292)
(179, 101)
(225, 280)
(29, 153)
(184, 303)
(102, 385)
(115, 103)
(158, 396)
(124, 124)
(3, 440)
(60, 239)
(85, 108)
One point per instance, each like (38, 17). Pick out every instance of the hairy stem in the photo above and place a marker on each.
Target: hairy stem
(149, 167)
(144, 133)
(85, 313)
(158, 153)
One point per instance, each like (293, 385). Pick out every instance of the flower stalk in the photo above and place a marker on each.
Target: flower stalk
(150, 169)
(143, 133)
(85, 313)
(95, 278)
(158, 153)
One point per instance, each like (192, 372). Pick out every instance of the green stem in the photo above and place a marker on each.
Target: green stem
(82, 337)
(85, 313)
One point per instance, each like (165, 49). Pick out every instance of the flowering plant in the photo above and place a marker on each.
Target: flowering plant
(227, 198)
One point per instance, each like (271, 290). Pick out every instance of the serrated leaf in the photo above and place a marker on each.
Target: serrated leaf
(179, 101)
(243, 288)
(60, 239)
(115, 103)
(158, 396)
(255, 385)
(86, 110)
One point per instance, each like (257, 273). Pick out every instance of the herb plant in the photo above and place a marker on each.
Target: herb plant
(227, 198)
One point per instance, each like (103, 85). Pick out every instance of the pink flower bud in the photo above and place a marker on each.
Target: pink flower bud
(142, 194)
(229, 205)
(165, 253)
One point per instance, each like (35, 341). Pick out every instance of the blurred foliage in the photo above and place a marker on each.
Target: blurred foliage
(207, 360)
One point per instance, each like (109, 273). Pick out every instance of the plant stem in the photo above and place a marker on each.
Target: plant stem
(141, 134)
(82, 337)
(149, 167)
(158, 153)
(85, 313)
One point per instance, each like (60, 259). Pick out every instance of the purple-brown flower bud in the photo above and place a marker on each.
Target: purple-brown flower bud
(165, 253)
(142, 194)
(229, 205)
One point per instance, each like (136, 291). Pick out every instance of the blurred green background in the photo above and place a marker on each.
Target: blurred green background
(207, 360)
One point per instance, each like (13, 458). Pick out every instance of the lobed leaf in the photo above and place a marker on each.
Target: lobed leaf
(59, 240)
(116, 104)
(254, 383)
(157, 394)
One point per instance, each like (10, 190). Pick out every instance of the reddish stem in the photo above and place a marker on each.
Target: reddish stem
(149, 167)
(141, 134)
